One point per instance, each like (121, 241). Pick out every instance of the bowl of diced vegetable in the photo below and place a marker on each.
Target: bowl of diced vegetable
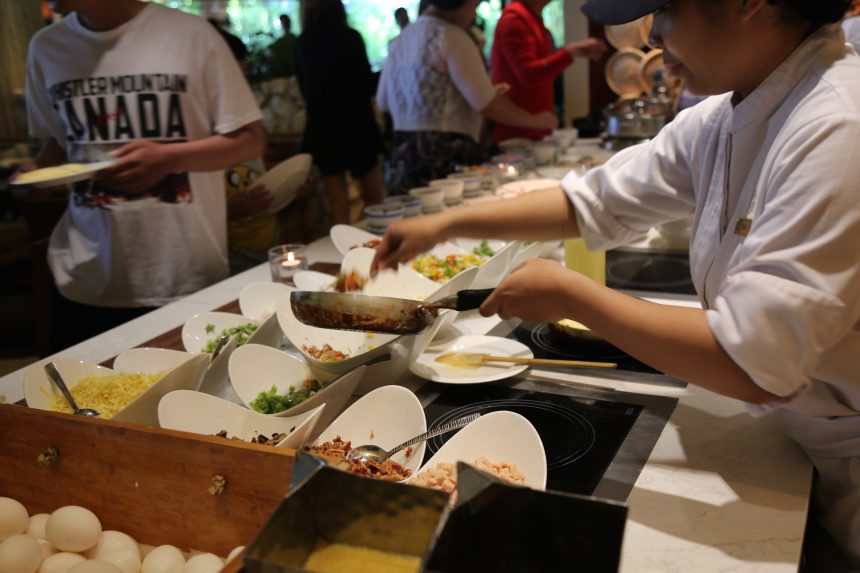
(203, 331)
(269, 381)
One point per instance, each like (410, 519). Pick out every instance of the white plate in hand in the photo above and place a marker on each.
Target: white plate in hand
(285, 178)
(427, 367)
(347, 237)
(85, 171)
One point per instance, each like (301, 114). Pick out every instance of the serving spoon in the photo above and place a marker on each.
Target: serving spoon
(55, 377)
(376, 454)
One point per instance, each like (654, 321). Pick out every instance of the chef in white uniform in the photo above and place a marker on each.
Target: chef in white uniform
(769, 169)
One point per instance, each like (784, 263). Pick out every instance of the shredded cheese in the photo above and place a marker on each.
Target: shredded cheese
(47, 173)
(105, 394)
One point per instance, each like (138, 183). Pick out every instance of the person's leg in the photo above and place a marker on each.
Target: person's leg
(338, 197)
(372, 188)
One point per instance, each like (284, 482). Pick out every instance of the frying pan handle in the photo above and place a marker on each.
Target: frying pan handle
(472, 298)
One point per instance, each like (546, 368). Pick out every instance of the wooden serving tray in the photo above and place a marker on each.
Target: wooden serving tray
(159, 486)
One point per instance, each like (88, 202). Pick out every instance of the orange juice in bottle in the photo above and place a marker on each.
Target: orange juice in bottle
(590, 263)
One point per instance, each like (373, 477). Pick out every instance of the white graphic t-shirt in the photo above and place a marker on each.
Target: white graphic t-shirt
(165, 76)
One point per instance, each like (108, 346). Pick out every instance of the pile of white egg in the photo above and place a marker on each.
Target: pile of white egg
(71, 540)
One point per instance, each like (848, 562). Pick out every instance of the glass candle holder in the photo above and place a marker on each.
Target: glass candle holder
(286, 260)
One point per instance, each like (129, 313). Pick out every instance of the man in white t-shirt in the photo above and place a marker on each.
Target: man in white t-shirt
(158, 91)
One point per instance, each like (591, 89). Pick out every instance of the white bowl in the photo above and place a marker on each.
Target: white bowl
(186, 375)
(453, 189)
(284, 180)
(400, 283)
(380, 216)
(258, 300)
(515, 144)
(497, 267)
(196, 332)
(571, 134)
(471, 183)
(411, 205)
(432, 198)
(386, 417)
(200, 413)
(361, 347)
(469, 245)
(347, 237)
(560, 141)
(314, 281)
(501, 436)
(544, 152)
(149, 360)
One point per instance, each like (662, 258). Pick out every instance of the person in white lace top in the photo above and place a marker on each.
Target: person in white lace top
(437, 89)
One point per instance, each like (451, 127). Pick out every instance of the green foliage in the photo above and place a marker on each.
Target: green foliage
(257, 23)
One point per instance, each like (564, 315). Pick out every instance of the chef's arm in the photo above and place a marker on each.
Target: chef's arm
(542, 215)
(675, 340)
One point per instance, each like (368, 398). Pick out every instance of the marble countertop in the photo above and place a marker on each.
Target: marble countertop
(721, 491)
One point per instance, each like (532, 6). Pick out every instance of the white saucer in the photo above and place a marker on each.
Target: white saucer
(86, 172)
(426, 366)
(285, 178)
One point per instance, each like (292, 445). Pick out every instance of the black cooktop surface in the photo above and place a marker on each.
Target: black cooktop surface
(545, 344)
(667, 272)
(580, 435)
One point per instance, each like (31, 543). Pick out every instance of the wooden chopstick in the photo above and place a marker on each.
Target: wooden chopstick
(548, 361)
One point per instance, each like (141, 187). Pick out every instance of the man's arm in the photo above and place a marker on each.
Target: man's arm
(141, 164)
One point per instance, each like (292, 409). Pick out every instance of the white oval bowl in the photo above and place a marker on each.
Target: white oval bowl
(314, 281)
(39, 391)
(501, 436)
(360, 346)
(200, 413)
(385, 417)
(254, 369)
(260, 299)
(149, 360)
(194, 335)
(347, 237)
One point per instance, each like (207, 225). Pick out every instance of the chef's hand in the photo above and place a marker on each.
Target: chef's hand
(591, 48)
(539, 290)
(139, 166)
(405, 240)
(248, 203)
(502, 88)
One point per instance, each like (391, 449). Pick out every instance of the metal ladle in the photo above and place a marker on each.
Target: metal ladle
(55, 377)
(376, 454)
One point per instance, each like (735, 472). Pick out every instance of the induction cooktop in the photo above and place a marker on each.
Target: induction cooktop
(595, 441)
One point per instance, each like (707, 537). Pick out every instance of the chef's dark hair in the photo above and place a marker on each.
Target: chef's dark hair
(817, 12)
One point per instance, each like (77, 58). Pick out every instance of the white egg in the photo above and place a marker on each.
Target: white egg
(233, 554)
(36, 527)
(204, 563)
(47, 548)
(20, 554)
(112, 541)
(13, 517)
(73, 528)
(60, 562)
(94, 566)
(145, 549)
(126, 559)
(164, 559)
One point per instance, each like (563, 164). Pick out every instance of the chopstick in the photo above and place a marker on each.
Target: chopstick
(548, 361)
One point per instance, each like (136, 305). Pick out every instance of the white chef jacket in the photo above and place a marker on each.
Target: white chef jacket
(784, 300)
